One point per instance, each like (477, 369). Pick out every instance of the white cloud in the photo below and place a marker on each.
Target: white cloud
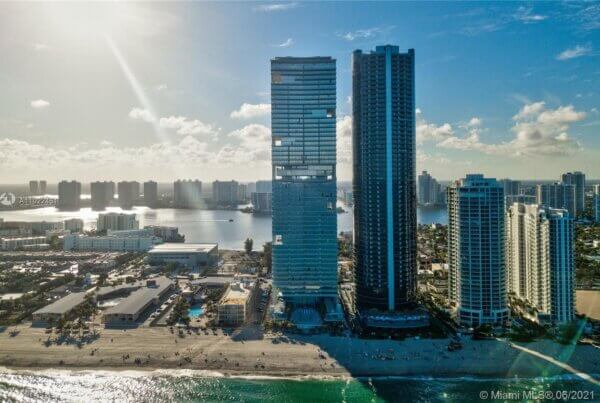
(363, 33)
(475, 121)
(529, 109)
(289, 42)
(250, 146)
(39, 104)
(526, 15)
(181, 124)
(344, 139)
(142, 114)
(537, 130)
(185, 126)
(431, 132)
(249, 111)
(577, 51)
(276, 7)
(18, 154)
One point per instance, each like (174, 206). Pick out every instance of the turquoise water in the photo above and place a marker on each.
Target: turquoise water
(187, 386)
(195, 311)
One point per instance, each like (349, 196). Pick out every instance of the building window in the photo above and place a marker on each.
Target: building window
(330, 113)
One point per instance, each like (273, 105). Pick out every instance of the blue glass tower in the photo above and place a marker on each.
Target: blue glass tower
(303, 103)
(384, 188)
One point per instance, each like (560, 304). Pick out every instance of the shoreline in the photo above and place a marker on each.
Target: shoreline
(250, 354)
(232, 374)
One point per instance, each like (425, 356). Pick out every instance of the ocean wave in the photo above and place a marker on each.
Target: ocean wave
(200, 373)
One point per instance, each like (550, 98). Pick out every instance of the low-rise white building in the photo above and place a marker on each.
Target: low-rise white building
(116, 222)
(108, 243)
(74, 225)
(59, 309)
(234, 305)
(193, 255)
(128, 311)
(22, 243)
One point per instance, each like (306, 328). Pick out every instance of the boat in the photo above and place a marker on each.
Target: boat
(231, 220)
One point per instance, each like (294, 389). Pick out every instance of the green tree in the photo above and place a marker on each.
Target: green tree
(102, 279)
(267, 257)
(248, 245)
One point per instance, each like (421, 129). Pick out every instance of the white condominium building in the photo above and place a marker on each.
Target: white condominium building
(116, 222)
(133, 243)
(477, 271)
(539, 255)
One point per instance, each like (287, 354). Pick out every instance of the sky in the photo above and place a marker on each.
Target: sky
(138, 91)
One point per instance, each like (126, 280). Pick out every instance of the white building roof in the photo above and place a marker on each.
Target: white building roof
(175, 247)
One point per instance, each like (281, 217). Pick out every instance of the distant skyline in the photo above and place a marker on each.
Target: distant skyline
(115, 91)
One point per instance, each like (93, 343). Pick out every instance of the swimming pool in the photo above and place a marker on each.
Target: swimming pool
(195, 311)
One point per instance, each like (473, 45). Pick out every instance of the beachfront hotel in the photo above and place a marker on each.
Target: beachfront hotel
(385, 222)
(540, 264)
(477, 272)
(304, 227)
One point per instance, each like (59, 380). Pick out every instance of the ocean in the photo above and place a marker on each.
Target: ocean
(200, 386)
(228, 228)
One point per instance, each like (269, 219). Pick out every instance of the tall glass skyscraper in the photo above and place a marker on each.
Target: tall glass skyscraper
(576, 179)
(385, 220)
(303, 121)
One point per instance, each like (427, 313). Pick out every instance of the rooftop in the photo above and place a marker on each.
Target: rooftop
(235, 295)
(64, 304)
(138, 299)
(223, 280)
(106, 290)
(183, 247)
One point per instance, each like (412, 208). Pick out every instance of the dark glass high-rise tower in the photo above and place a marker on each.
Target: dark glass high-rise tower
(385, 212)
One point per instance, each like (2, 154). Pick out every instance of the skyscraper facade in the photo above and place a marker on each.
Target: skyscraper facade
(429, 190)
(69, 195)
(34, 189)
(262, 202)
(384, 189)
(187, 194)
(42, 187)
(596, 203)
(102, 194)
(558, 195)
(128, 192)
(476, 250)
(576, 179)
(116, 222)
(562, 265)
(511, 187)
(303, 125)
(263, 187)
(151, 194)
(225, 193)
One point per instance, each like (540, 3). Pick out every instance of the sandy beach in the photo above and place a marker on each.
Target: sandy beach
(293, 355)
